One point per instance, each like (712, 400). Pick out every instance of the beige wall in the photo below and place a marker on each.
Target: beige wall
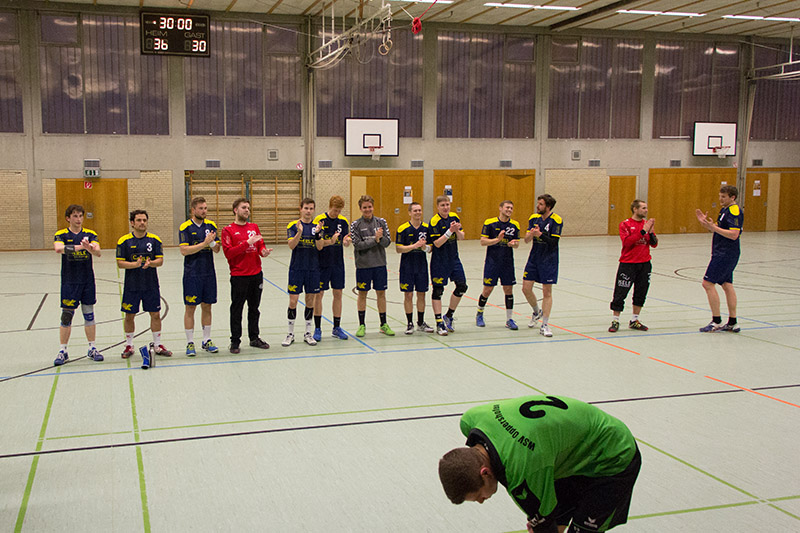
(330, 182)
(581, 199)
(14, 184)
(152, 191)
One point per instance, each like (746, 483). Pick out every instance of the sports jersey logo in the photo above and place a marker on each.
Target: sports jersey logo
(438, 281)
(127, 307)
(68, 303)
(404, 286)
(292, 288)
(526, 499)
(191, 299)
(487, 281)
(590, 522)
(362, 285)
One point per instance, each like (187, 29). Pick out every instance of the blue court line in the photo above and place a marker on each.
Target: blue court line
(323, 316)
(597, 285)
(439, 347)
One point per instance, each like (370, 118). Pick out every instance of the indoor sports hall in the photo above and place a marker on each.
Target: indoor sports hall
(148, 104)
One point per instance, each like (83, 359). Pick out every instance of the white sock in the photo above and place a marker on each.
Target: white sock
(291, 326)
(157, 338)
(309, 326)
(91, 345)
(189, 335)
(615, 317)
(634, 318)
(509, 312)
(535, 309)
(206, 333)
(129, 339)
(545, 319)
(63, 348)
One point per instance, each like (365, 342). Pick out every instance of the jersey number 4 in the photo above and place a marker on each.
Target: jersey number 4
(526, 409)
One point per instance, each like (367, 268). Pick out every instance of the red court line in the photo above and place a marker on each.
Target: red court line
(670, 364)
(754, 392)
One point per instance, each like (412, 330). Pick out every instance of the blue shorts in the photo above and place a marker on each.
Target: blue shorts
(199, 290)
(303, 281)
(413, 280)
(372, 278)
(331, 277)
(441, 275)
(720, 269)
(151, 301)
(544, 273)
(492, 272)
(73, 294)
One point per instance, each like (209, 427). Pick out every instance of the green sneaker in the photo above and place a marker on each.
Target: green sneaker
(386, 330)
(362, 330)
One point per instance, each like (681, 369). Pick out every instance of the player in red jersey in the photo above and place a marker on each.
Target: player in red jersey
(244, 247)
(634, 264)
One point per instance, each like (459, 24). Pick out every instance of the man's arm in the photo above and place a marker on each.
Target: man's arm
(386, 238)
(359, 242)
(711, 226)
(209, 241)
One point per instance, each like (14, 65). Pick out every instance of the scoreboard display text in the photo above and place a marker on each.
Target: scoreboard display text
(170, 34)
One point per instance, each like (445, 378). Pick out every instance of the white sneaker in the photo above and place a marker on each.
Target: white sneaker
(309, 339)
(545, 330)
(535, 318)
(288, 340)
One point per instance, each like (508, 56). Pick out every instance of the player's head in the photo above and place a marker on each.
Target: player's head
(138, 219)
(199, 207)
(545, 203)
(367, 204)
(335, 206)
(466, 476)
(74, 214)
(241, 209)
(443, 205)
(639, 209)
(506, 208)
(415, 211)
(307, 207)
(728, 195)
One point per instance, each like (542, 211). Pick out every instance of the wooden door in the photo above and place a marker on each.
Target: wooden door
(105, 206)
(387, 188)
(674, 194)
(789, 208)
(621, 193)
(755, 198)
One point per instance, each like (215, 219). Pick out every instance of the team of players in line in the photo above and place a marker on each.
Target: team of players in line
(317, 265)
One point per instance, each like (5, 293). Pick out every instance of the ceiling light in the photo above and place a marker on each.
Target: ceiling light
(531, 6)
(743, 17)
(783, 19)
(638, 12)
(679, 14)
(668, 13)
(427, 1)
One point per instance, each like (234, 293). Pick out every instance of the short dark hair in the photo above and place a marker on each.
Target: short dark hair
(138, 212)
(730, 190)
(366, 198)
(239, 201)
(504, 202)
(549, 201)
(442, 198)
(460, 473)
(636, 203)
(197, 200)
(306, 201)
(412, 204)
(71, 208)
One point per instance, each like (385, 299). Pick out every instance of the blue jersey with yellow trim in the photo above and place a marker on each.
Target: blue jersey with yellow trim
(202, 262)
(551, 227)
(500, 252)
(76, 267)
(130, 248)
(730, 217)
(438, 226)
(333, 254)
(305, 255)
(406, 235)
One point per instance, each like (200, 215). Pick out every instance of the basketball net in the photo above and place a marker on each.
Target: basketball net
(721, 151)
(375, 152)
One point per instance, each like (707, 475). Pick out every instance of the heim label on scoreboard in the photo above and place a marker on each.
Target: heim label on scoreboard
(171, 34)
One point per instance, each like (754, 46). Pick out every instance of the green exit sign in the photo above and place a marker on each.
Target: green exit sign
(91, 172)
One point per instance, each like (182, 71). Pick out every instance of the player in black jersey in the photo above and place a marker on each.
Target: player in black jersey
(77, 246)
(335, 234)
(500, 235)
(411, 241)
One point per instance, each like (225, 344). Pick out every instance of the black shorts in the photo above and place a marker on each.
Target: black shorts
(596, 503)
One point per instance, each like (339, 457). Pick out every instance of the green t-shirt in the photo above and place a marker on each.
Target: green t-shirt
(534, 440)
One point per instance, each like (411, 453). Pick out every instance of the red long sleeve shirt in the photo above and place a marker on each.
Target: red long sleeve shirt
(244, 259)
(635, 246)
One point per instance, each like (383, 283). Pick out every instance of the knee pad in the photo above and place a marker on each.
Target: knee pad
(88, 314)
(437, 292)
(461, 289)
(66, 317)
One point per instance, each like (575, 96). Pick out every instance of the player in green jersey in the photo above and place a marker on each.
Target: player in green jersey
(568, 465)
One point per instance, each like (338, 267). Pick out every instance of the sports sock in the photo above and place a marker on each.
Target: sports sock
(634, 318)
(716, 319)
(509, 306)
(308, 314)
(91, 343)
(337, 321)
(63, 348)
(189, 335)
(438, 318)
(129, 339)
(318, 321)
(545, 320)
(731, 320)
(420, 317)
(383, 318)
(362, 315)
(157, 338)
(410, 318)
(482, 303)
(207, 333)
(292, 315)
(450, 312)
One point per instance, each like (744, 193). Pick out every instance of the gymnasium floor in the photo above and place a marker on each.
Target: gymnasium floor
(346, 436)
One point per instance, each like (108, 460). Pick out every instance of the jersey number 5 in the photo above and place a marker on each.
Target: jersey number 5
(526, 409)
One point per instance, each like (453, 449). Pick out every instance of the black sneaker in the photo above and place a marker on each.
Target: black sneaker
(234, 347)
(258, 343)
(614, 326)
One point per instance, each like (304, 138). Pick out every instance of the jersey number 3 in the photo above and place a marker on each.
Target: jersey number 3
(526, 409)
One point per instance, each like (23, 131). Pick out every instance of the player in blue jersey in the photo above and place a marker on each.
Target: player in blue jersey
(443, 235)
(139, 253)
(411, 241)
(500, 235)
(335, 235)
(77, 246)
(305, 241)
(544, 229)
(198, 244)
(724, 258)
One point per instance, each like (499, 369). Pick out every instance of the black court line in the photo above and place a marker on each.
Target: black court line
(337, 425)
(37, 311)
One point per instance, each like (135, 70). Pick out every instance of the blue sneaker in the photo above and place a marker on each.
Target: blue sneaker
(317, 334)
(190, 351)
(209, 347)
(448, 323)
(61, 358)
(510, 324)
(479, 320)
(94, 355)
(340, 334)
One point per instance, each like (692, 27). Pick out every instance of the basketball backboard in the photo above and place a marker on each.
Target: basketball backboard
(362, 133)
(711, 135)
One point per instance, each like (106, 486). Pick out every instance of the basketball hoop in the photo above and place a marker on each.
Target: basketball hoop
(375, 152)
(721, 151)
